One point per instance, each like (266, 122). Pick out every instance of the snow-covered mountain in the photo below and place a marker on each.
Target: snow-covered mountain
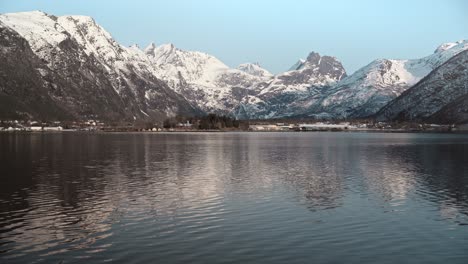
(86, 72)
(370, 88)
(202, 78)
(248, 91)
(442, 95)
(70, 67)
(289, 93)
(315, 71)
(23, 90)
(254, 69)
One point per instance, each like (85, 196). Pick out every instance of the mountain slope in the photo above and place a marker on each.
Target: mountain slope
(69, 67)
(316, 71)
(439, 95)
(23, 92)
(90, 75)
(248, 91)
(290, 93)
(254, 69)
(455, 112)
(367, 90)
(201, 78)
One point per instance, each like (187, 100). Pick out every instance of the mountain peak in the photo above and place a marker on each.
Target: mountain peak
(297, 65)
(153, 50)
(167, 46)
(82, 18)
(254, 69)
(313, 60)
(29, 13)
(134, 46)
(37, 27)
(450, 45)
(249, 64)
(31, 17)
(313, 57)
(445, 47)
(149, 50)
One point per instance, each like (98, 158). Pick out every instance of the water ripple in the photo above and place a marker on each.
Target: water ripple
(233, 198)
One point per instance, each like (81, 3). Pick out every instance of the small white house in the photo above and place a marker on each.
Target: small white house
(184, 125)
(58, 128)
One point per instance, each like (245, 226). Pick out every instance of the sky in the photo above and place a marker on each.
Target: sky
(275, 33)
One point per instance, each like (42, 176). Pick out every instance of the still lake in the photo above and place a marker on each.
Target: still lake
(233, 198)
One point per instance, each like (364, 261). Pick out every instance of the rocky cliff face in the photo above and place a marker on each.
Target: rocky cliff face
(290, 93)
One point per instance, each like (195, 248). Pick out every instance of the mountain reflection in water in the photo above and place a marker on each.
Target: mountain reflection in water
(233, 197)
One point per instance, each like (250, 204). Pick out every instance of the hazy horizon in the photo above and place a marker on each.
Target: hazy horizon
(275, 34)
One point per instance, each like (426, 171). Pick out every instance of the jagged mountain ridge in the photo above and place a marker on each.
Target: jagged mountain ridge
(85, 72)
(246, 92)
(316, 70)
(370, 88)
(202, 78)
(285, 95)
(319, 87)
(254, 69)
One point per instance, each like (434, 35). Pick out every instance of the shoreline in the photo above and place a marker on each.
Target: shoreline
(389, 131)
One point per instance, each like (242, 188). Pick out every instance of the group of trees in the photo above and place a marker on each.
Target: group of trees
(213, 121)
(208, 122)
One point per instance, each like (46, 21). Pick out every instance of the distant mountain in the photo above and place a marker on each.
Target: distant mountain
(315, 71)
(69, 67)
(203, 79)
(254, 69)
(289, 93)
(442, 96)
(76, 66)
(248, 91)
(370, 88)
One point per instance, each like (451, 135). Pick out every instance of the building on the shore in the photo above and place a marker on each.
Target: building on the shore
(277, 127)
(186, 125)
(323, 127)
(58, 128)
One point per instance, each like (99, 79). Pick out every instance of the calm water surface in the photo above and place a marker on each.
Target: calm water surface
(233, 198)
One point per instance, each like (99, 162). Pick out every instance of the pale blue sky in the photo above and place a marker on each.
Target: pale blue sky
(275, 33)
